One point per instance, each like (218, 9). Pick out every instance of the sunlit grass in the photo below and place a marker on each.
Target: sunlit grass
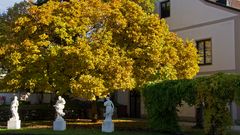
(86, 127)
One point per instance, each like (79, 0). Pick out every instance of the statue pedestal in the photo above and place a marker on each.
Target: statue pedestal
(59, 124)
(14, 124)
(107, 126)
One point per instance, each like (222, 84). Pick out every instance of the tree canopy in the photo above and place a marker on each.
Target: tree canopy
(91, 48)
(147, 5)
(7, 19)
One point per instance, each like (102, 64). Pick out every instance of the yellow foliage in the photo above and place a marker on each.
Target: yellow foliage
(91, 48)
(2, 51)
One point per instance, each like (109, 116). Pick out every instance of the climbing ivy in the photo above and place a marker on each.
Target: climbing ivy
(162, 99)
(214, 92)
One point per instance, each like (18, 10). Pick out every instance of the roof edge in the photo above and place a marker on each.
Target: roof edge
(231, 9)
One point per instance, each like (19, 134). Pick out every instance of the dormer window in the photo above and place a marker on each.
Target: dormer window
(165, 9)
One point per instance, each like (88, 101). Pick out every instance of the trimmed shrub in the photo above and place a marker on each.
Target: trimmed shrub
(162, 99)
(214, 92)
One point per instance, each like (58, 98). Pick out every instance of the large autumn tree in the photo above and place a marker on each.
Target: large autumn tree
(91, 48)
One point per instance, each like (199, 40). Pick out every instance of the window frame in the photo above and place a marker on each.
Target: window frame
(163, 12)
(204, 51)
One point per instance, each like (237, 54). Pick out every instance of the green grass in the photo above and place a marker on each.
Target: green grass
(85, 127)
(80, 131)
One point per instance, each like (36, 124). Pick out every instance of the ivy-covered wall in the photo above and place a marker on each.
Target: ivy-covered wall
(214, 92)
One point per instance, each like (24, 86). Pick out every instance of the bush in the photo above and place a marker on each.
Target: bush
(215, 92)
(29, 112)
(161, 101)
(77, 109)
(74, 109)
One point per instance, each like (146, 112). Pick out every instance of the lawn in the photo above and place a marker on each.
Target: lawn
(80, 131)
(85, 127)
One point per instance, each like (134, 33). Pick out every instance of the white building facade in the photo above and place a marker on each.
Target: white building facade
(214, 27)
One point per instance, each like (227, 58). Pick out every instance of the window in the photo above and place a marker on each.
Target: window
(205, 51)
(165, 9)
(223, 2)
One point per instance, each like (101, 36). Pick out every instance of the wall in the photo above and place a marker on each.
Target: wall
(143, 109)
(234, 3)
(187, 112)
(33, 98)
(223, 44)
(185, 13)
(123, 99)
(197, 20)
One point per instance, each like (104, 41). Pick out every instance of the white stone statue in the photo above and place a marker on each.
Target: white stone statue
(59, 124)
(108, 125)
(59, 106)
(109, 109)
(14, 122)
(24, 97)
(14, 108)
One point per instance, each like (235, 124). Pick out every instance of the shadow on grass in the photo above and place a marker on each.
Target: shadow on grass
(86, 127)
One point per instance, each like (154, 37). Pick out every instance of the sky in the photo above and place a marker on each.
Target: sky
(5, 4)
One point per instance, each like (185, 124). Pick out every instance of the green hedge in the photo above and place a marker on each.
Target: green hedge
(161, 101)
(214, 92)
(74, 109)
(29, 112)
